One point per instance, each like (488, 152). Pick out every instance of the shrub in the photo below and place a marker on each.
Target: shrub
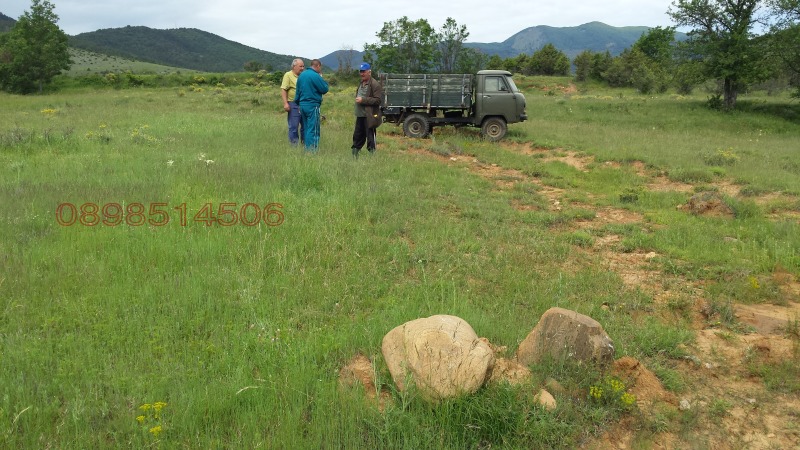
(630, 195)
(715, 102)
(581, 239)
(722, 157)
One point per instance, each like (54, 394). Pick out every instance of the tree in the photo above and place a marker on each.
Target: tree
(451, 41)
(471, 60)
(405, 47)
(592, 65)
(785, 37)
(517, 64)
(548, 60)
(658, 48)
(687, 75)
(722, 38)
(601, 62)
(495, 63)
(625, 67)
(583, 65)
(658, 44)
(34, 51)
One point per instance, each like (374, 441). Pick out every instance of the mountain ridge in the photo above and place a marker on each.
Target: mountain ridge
(189, 48)
(6, 23)
(594, 36)
(195, 49)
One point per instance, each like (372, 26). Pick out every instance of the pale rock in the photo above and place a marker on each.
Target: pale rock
(440, 354)
(546, 399)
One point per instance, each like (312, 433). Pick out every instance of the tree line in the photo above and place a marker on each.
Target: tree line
(414, 46)
(735, 42)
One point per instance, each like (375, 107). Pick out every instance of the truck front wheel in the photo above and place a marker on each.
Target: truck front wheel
(494, 129)
(416, 126)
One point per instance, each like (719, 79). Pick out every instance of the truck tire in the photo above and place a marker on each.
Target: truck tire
(494, 129)
(416, 126)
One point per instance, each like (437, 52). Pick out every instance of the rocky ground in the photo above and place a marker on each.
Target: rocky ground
(724, 405)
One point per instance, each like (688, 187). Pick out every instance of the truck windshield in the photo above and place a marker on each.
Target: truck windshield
(511, 83)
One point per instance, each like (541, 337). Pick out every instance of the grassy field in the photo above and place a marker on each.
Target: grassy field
(88, 63)
(140, 333)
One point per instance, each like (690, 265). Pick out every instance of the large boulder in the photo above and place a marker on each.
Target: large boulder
(562, 333)
(440, 354)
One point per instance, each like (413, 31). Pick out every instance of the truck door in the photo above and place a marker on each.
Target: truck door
(497, 99)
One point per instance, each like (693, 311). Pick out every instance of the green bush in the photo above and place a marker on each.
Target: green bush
(722, 157)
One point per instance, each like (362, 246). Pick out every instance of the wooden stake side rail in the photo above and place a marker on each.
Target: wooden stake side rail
(427, 91)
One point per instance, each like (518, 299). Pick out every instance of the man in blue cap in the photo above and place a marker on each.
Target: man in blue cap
(367, 109)
(308, 95)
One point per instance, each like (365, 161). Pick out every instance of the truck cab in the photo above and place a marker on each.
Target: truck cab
(496, 95)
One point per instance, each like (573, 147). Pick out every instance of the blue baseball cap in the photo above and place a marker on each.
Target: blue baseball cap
(363, 66)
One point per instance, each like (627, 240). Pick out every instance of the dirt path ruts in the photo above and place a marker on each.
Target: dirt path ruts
(735, 408)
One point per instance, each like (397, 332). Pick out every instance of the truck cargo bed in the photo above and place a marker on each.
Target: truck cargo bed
(437, 91)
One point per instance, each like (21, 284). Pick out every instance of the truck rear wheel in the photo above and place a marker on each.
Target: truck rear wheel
(494, 129)
(416, 126)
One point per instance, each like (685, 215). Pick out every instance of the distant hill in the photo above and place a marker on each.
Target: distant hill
(187, 48)
(6, 23)
(594, 36)
(332, 61)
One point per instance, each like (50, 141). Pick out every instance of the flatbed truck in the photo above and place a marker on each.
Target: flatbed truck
(419, 102)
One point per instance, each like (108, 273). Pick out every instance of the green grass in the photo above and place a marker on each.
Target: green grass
(86, 63)
(242, 330)
(674, 132)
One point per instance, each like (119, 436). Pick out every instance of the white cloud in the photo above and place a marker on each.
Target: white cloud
(315, 28)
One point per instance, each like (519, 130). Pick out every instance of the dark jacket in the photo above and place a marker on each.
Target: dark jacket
(372, 103)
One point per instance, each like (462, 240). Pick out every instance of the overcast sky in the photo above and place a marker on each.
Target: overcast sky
(315, 28)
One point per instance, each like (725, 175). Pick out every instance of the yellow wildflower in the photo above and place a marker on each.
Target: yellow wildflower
(596, 392)
(627, 399)
(156, 430)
